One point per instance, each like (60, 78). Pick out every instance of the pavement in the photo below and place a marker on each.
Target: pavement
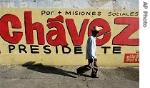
(44, 76)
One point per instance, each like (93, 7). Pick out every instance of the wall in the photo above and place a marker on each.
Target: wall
(124, 53)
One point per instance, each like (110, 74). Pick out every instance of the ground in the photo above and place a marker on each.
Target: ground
(44, 76)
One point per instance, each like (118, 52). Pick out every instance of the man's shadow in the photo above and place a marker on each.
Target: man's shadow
(49, 69)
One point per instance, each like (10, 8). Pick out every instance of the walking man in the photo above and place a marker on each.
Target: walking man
(91, 54)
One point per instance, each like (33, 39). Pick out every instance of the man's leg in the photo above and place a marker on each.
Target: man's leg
(90, 62)
(94, 69)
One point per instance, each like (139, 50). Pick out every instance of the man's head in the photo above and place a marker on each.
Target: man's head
(95, 31)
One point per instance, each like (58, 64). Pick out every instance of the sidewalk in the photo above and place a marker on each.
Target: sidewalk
(40, 76)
